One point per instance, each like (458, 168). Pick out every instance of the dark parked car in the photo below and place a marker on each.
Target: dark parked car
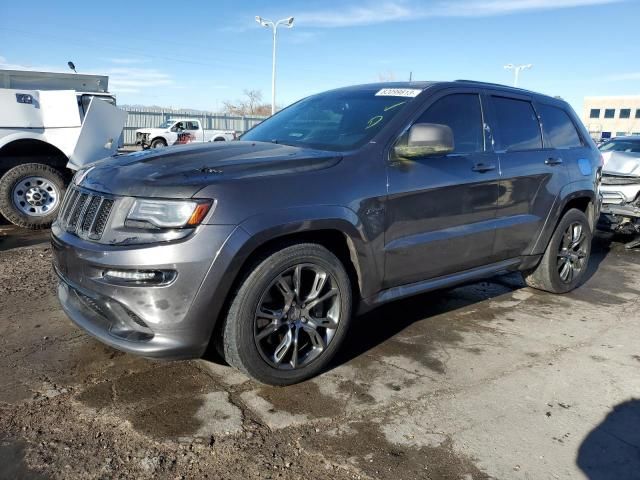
(345, 200)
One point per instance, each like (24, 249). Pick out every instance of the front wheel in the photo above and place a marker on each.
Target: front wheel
(564, 264)
(31, 195)
(289, 316)
(158, 143)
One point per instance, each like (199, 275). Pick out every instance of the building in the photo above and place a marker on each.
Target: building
(607, 117)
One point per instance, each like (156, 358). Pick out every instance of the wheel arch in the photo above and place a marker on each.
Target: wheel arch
(574, 195)
(31, 150)
(159, 137)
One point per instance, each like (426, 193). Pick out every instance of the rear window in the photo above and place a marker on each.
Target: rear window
(517, 124)
(559, 131)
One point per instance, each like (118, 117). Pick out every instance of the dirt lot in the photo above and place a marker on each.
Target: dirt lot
(491, 380)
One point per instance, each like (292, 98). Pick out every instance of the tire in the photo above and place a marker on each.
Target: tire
(240, 345)
(31, 195)
(563, 265)
(158, 143)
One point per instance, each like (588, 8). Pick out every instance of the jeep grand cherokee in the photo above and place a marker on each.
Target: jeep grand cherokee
(268, 246)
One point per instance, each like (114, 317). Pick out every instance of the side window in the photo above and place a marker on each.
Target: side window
(178, 126)
(559, 131)
(463, 114)
(192, 125)
(518, 127)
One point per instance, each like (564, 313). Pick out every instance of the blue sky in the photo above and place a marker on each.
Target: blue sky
(198, 54)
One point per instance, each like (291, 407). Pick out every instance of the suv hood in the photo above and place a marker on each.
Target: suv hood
(621, 163)
(180, 172)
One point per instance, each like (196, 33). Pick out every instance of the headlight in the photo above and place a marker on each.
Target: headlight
(146, 213)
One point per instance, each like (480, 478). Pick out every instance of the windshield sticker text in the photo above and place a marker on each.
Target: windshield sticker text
(398, 92)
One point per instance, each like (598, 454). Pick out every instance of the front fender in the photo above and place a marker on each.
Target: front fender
(57, 141)
(272, 225)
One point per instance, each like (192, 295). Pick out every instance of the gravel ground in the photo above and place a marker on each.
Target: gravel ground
(491, 380)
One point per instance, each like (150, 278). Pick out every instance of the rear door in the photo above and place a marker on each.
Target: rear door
(440, 209)
(531, 174)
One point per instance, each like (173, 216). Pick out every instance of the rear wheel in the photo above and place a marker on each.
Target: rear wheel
(289, 316)
(564, 264)
(31, 195)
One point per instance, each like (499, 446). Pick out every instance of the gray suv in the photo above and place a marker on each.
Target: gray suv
(266, 247)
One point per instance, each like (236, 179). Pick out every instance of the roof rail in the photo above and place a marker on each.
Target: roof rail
(484, 83)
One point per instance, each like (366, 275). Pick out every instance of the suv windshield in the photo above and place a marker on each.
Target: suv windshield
(629, 146)
(338, 120)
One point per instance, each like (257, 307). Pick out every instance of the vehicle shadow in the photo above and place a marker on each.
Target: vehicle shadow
(600, 248)
(374, 328)
(14, 237)
(611, 451)
(382, 324)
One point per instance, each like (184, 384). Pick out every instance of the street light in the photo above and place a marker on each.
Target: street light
(516, 71)
(286, 22)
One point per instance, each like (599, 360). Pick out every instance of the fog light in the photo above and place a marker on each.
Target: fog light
(154, 277)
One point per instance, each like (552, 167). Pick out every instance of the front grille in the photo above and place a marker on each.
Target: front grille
(85, 213)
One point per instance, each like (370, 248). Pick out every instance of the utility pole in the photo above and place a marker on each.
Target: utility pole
(286, 22)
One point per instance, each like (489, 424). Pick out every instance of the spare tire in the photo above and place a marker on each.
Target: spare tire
(31, 195)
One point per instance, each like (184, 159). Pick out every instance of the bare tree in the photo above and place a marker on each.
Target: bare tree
(250, 104)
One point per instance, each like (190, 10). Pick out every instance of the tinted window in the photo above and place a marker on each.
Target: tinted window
(336, 120)
(595, 113)
(192, 125)
(517, 124)
(625, 113)
(609, 113)
(638, 113)
(463, 114)
(559, 131)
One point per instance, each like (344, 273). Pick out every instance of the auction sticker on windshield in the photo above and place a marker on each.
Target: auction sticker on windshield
(398, 92)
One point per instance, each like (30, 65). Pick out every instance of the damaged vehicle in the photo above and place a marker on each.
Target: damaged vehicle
(621, 187)
(180, 131)
(265, 248)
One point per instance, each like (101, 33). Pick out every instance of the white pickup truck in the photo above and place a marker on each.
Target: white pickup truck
(178, 131)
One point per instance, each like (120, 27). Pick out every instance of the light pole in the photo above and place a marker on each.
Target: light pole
(287, 22)
(516, 71)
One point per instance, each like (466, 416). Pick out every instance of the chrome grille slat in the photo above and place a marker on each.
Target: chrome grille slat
(102, 217)
(72, 198)
(90, 213)
(78, 208)
(85, 213)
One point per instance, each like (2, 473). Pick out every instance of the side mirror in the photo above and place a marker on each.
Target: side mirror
(426, 140)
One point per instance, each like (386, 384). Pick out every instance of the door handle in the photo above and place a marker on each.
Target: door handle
(483, 167)
(553, 161)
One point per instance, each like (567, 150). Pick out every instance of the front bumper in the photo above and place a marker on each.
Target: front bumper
(174, 320)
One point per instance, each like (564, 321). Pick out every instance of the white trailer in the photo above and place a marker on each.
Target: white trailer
(51, 124)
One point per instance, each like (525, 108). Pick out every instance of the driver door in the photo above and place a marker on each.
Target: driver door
(441, 210)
